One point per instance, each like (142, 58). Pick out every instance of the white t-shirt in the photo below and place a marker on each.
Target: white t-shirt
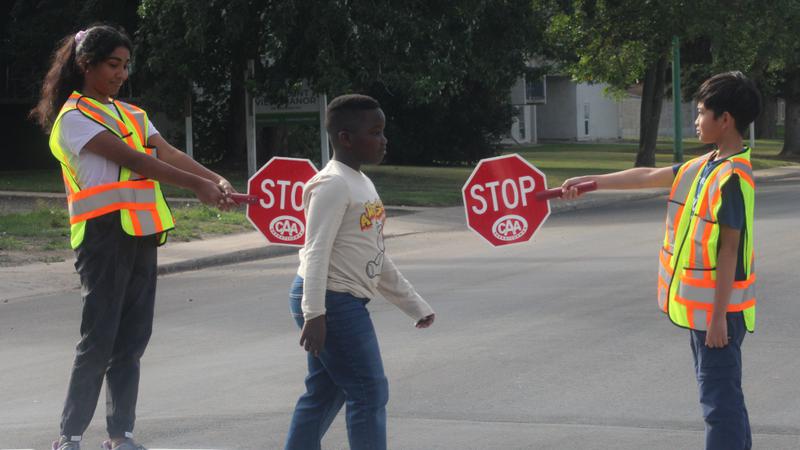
(344, 250)
(92, 169)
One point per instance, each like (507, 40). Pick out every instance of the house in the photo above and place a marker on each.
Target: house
(558, 108)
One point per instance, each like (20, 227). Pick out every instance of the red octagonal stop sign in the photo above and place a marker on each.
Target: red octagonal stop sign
(278, 215)
(500, 200)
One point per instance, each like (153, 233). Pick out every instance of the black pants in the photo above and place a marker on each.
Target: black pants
(118, 285)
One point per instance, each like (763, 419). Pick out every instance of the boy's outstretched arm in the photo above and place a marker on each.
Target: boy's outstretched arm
(394, 286)
(717, 335)
(636, 178)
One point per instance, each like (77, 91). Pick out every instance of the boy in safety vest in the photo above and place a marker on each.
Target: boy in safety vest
(706, 277)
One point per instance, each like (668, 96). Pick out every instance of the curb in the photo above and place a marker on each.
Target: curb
(223, 259)
(238, 256)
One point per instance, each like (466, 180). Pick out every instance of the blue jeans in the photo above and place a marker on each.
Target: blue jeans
(719, 378)
(349, 371)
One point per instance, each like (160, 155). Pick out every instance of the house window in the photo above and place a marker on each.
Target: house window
(585, 119)
(535, 89)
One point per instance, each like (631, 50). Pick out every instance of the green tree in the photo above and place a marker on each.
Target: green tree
(622, 43)
(34, 28)
(442, 70)
(29, 34)
(191, 58)
(787, 67)
(759, 38)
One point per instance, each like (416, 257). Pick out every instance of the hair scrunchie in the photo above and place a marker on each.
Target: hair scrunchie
(79, 36)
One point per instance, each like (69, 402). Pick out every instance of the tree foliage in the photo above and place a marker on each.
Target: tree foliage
(442, 70)
(34, 29)
(622, 43)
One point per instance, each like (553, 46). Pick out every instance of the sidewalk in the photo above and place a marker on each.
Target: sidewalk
(44, 278)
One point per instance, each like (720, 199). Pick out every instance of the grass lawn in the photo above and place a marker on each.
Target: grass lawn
(42, 234)
(438, 186)
(45, 228)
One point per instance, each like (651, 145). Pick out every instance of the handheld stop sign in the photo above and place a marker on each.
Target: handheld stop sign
(506, 199)
(275, 199)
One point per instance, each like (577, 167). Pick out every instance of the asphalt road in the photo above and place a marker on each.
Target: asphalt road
(556, 344)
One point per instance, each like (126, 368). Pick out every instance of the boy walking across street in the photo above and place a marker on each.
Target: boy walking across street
(706, 278)
(343, 265)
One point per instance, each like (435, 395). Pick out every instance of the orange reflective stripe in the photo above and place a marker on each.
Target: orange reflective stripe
(692, 305)
(110, 208)
(675, 184)
(716, 199)
(109, 186)
(129, 140)
(134, 107)
(104, 119)
(741, 160)
(746, 177)
(742, 306)
(68, 185)
(96, 116)
(661, 293)
(135, 123)
(664, 260)
(706, 257)
(137, 227)
(157, 221)
(677, 218)
(692, 245)
(711, 284)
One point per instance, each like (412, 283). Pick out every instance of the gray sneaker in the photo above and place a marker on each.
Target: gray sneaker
(127, 444)
(63, 443)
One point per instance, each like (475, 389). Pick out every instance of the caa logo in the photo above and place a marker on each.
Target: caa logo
(510, 227)
(287, 228)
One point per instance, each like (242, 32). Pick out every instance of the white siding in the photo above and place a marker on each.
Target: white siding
(603, 113)
(629, 118)
(556, 119)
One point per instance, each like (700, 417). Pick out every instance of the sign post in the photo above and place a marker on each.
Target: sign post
(250, 124)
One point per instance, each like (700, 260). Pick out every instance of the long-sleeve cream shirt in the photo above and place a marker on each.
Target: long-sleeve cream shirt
(344, 250)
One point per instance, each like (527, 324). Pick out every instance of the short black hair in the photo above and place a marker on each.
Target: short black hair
(734, 93)
(344, 112)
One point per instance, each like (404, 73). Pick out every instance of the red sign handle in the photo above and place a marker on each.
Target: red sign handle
(243, 198)
(547, 194)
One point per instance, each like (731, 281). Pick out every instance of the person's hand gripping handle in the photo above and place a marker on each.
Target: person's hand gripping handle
(559, 192)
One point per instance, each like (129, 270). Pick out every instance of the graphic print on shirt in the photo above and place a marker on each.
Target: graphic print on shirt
(374, 215)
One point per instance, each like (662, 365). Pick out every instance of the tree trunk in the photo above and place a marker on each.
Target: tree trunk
(791, 134)
(236, 154)
(766, 122)
(650, 112)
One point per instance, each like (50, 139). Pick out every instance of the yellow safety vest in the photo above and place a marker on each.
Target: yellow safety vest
(142, 206)
(687, 275)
